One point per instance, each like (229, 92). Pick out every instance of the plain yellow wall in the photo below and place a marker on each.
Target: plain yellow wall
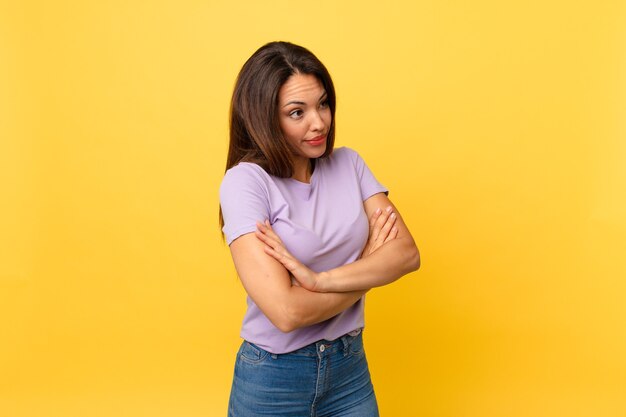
(498, 126)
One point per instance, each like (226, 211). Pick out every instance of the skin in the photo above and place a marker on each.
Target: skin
(396, 256)
(304, 115)
(266, 268)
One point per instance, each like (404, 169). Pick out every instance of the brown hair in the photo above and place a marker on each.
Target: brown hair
(255, 134)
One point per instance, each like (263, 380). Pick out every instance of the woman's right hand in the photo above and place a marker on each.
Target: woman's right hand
(382, 230)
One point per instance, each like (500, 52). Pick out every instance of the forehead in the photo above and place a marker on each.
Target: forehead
(301, 87)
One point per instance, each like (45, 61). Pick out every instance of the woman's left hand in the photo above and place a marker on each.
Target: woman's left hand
(304, 276)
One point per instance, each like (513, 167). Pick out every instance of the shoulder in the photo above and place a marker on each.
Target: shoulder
(245, 170)
(244, 175)
(244, 199)
(343, 152)
(344, 155)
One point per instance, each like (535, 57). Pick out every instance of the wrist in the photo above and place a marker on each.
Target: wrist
(323, 282)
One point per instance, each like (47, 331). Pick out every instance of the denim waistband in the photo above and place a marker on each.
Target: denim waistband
(327, 347)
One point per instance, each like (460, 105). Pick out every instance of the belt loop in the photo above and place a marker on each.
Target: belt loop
(344, 339)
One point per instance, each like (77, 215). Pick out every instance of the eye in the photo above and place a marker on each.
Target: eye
(295, 114)
(324, 104)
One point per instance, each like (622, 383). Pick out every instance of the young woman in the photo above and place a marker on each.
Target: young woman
(310, 231)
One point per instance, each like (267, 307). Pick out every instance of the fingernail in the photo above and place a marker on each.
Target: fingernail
(378, 210)
(393, 215)
(389, 209)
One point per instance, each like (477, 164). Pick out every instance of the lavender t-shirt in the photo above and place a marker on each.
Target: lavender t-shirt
(323, 224)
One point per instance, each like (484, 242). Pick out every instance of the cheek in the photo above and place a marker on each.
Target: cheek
(327, 117)
(290, 133)
(287, 130)
(295, 132)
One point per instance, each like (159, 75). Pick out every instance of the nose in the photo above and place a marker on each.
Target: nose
(317, 123)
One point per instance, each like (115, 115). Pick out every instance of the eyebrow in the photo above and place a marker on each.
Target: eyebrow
(302, 103)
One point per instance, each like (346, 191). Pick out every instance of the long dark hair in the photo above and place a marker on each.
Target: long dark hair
(255, 134)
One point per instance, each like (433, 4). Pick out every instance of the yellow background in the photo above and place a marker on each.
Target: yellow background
(498, 126)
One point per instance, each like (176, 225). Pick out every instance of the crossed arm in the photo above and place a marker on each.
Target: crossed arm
(389, 254)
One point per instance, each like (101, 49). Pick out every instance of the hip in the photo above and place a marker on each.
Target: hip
(325, 378)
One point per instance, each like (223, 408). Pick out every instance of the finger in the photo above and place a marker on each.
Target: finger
(270, 231)
(375, 217)
(294, 281)
(264, 225)
(261, 226)
(277, 247)
(280, 258)
(380, 222)
(267, 231)
(268, 240)
(372, 228)
(392, 235)
(381, 235)
(263, 234)
(283, 258)
(384, 232)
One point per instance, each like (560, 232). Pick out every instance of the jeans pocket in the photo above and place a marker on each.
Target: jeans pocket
(252, 354)
(356, 346)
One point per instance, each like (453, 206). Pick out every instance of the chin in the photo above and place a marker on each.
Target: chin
(316, 153)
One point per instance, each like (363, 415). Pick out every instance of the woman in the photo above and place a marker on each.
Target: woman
(295, 215)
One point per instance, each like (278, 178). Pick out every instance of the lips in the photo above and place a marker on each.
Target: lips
(316, 141)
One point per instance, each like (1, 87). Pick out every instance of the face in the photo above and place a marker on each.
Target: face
(304, 116)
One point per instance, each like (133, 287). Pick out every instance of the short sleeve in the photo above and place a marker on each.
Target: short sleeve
(368, 182)
(244, 200)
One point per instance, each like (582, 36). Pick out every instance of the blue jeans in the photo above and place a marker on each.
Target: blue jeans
(323, 379)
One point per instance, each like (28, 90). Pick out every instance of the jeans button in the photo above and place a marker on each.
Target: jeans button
(322, 348)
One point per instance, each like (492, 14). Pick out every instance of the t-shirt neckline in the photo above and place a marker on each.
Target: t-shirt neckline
(311, 180)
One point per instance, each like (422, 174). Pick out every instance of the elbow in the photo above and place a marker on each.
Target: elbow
(285, 325)
(285, 319)
(284, 313)
(413, 259)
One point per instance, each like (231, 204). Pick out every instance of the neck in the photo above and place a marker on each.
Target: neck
(302, 170)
